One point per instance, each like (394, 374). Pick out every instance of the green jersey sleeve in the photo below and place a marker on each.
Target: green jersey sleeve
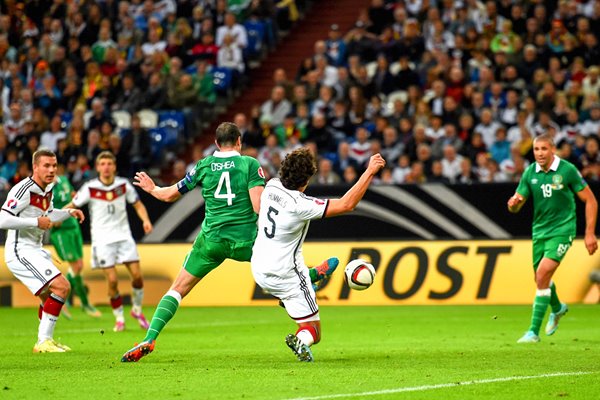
(574, 179)
(256, 176)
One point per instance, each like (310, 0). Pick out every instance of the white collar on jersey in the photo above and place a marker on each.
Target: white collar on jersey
(225, 154)
(553, 166)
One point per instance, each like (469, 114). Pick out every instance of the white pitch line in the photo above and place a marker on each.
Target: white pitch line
(443, 385)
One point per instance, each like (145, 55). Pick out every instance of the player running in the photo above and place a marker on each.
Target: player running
(553, 184)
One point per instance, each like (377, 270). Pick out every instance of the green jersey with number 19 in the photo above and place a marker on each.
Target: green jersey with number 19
(553, 194)
(226, 177)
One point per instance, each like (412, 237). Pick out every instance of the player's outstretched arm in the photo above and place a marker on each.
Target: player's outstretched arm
(8, 221)
(591, 213)
(515, 202)
(168, 194)
(350, 200)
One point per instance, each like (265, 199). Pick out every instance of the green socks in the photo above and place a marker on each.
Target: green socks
(554, 301)
(166, 309)
(76, 282)
(540, 304)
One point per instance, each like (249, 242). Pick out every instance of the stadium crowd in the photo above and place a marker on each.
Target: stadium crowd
(447, 91)
(80, 77)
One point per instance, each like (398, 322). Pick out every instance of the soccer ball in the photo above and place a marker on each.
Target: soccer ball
(359, 274)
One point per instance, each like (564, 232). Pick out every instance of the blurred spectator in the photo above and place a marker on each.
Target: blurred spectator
(155, 97)
(451, 163)
(360, 149)
(391, 147)
(350, 175)
(206, 50)
(230, 56)
(322, 135)
(92, 146)
(437, 173)
(401, 169)
(592, 125)
(500, 149)
(336, 47)
(288, 131)
(136, 146)
(231, 28)
(50, 138)
(185, 99)
(277, 107)
(123, 161)
(450, 138)
(325, 174)
(416, 174)
(590, 160)
(129, 97)
(466, 175)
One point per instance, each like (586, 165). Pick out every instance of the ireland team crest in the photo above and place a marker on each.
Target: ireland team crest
(557, 182)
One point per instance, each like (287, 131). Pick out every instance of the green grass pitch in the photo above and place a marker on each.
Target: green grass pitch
(403, 352)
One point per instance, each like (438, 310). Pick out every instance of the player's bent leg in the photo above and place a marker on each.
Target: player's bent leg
(320, 274)
(53, 304)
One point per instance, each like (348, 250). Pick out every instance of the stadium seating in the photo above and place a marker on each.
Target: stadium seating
(256, 39)
(122, 120)
(148, 118)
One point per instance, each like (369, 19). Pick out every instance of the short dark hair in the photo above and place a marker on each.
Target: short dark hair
(227, 133)
(41, 153)
(297, 168)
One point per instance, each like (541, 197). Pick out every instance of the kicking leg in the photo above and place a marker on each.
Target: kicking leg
(165, 310)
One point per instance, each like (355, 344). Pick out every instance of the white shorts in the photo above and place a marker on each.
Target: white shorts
(33, 266)
(296, 293)
(111, 254)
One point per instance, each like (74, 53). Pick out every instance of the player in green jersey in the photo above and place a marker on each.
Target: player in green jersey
(552, 183)
(231, 186)
(68, 243)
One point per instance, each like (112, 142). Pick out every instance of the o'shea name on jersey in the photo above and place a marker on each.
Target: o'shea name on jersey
(219, 166)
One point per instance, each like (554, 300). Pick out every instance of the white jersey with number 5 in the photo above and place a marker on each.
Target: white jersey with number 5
(108, 208)
(282, 226)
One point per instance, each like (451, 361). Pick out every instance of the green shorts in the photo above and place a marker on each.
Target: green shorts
(68, 244)
(553, 248)
(207, 254)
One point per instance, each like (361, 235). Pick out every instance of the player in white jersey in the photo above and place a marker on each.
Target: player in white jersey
(27, 213)
(112, 243)
(277, 262)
